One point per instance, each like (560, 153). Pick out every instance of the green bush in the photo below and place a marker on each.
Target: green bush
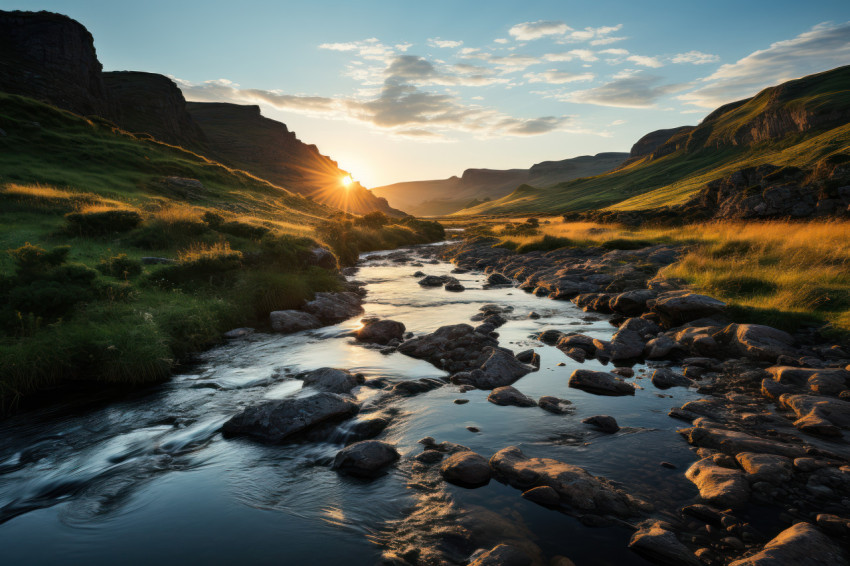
(120, 266)
(214, 266)
(102, 222)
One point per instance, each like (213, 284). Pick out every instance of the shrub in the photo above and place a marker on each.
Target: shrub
(242, 230)
(212, 219)
(102, 222)
(120, 266)
(207, 264)
(374, 220)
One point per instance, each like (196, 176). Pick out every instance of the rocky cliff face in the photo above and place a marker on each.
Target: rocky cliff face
(52, 58)
(152, 104)
(653, 140)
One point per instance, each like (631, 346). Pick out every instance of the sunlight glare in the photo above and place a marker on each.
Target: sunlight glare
(346, 181)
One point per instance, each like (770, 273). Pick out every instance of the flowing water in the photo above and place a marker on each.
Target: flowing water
(149, 479)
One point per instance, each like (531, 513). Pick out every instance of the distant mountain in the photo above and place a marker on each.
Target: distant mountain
(445, 196)
(783, 153)
(51, 57)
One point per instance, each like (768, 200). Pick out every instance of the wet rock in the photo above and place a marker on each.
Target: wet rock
(624, 345)
(454, 285)
(756, 341)
(331, 379)
(604, 423)
(432, 281)
(367, 458)
(496, 279)
(466, 469)
(733, 442)
(574, 485)
(555, 405)
(533, 315)
(280, 420)
(664, 378)
(503, 555)
(543, 495)
(499, 369)
(719, 485)
(661, 546)
(576, 341)
(380, 331)
(529, 357)
(600, 383)
(765, 467)
(461, 401)
(455, 347)
(678, 307)
(332, 308)
(508, 395)
(550, 337)
(411, 387)
(293, 321)
(799, 545)
(238, 333)
(429, 457)
(631, 303)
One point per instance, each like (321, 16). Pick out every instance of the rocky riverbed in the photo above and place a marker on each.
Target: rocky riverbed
(458, 404)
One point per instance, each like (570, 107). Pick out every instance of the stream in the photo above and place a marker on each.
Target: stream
(149, 478)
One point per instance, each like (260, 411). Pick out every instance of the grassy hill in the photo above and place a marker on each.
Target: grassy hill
(796, 124)
(83, 203)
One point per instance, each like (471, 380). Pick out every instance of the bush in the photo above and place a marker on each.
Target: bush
(213, 265)
(242, 230)
(102, 222)
(374, 220)
(120, 266)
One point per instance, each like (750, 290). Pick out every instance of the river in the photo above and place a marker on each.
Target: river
(149, 479)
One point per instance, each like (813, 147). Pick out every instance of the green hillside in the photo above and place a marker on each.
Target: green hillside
(794, 124)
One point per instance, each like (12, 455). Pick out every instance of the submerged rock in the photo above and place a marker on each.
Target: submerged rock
(279, 420)
(508, 395)
(466, 469)
(366, 458)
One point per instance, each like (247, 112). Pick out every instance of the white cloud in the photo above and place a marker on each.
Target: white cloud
(444, 43)
(696, 57)
(823, 47)
(535, 30)
(556, 77)
(607, 40)
(617, 123)
(583, 54)
(630, 91)
(371, 48)
(645, 61)
(350, 46)
(501, 40)
(615, 51)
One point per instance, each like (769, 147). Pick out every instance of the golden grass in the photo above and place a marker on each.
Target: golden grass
(197, 252)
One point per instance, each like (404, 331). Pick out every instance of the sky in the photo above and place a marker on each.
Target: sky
(403, 90)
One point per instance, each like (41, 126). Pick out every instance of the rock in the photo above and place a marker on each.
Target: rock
(466, 469)
(659, 347)
(664, 378)
(322, 257)
(332, 308)
(833, 524)
(429, 457)
(280, 420)
(543, 495)
(624, 345)
(238, 333)
(799, 545)
(411, 387)
(624, 372)
(631, 303)
(765, 467)
(678, 307)
(454, 285)
(500, 369)
(293, 321)
(533, 315)
(157, 260)
(808, 377)
(574, 486)
(529, 357)
(733, 442)
(756, 341)
(380, 331)
(555, 405)
(660, 546)
(600, 383)
(718, 485)
(508, 395)
(432, 281)
(551, 336)
(817, 414)
(366, 458)
(503, 555)
(454, 348)
(774, 390)
(498, 279)
(331, 380)
(604, 423)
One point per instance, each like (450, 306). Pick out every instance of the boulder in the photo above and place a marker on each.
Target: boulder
(508, 395)
(280, 420)
(604, 423)
(799, 545)
(718, 485)
(555, 405)
(380, 331)
(765, 467)
(551, 336)
(565, 343)
(756, 341)
(332, 308)
(367, 458)
(293, 321)
(660, 546)
(454, 348)
(500, 368)
(331, 379)
(599, 383)
(664, 378)
(631, 303)
(659, 347)
(454, 285)
(496, 279)
(624, 345)
(238, 333)
(574, 485)
(809, 377)
(543, 495)
(817, 414)
(432, 281)
(466, 468)
(678, 307)
(322, 257)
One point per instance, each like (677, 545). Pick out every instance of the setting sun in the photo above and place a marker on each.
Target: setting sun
(346, 181)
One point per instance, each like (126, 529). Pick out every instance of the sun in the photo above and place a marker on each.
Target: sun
(346, 181)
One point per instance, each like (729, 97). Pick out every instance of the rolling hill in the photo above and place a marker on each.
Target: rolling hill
(781, 153)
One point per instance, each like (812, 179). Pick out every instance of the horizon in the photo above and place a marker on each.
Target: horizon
(428, 97)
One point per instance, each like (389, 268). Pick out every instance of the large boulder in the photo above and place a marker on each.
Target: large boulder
(502, 368)
(455, 348)
(280, 420)
(367, 458)
(756, 341)
(664, 378)
(799, 545)
(631, 303)
(660, 546)
(332, 308)
(322, 257)
(719, 486)
(466, 468)
(508, 395)
(574, 485)
(600, 383)
(624, 345)
(678, 307)
(380, 331)
(293, 321)
(331, 379)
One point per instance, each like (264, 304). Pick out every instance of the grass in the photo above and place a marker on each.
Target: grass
(777, 273)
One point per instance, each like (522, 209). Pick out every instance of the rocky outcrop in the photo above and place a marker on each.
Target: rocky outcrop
(801, 545)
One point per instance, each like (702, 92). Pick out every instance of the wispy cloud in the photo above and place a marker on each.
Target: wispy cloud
(823, 47)
(444, 43)
(630, 90)
(535, 30)
(645, 61)
(555, 77)
(696, 58)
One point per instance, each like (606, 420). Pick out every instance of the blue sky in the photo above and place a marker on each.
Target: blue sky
(414, 90)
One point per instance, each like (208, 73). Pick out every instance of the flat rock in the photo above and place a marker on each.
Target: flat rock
(718, 485)
(332, 380)
(293, 321)
(765, 467)
(574, 485)
(799, 545)
(660, 546)
(600, 383)
(817, 414)
(367, 458)
(279, 420)
(733, 442)
(466, 469)
(756, 341)
(678, 307)
(508, 395)
(664, 378)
